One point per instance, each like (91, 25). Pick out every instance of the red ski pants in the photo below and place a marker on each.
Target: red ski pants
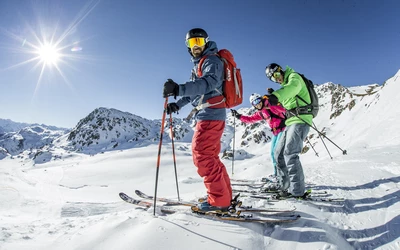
(206, 146)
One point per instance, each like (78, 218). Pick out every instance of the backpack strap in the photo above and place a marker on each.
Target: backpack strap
(283, 119)
(299, 110)
(202, 59)
(199, 72)
(218, 103)
(307, 90)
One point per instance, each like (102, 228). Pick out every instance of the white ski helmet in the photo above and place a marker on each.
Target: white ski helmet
(253, 97)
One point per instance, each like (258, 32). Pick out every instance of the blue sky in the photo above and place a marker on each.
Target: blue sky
(129, 48)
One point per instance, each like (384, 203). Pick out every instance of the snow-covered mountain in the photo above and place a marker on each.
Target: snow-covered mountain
(346, 111)
(110, 129)
(6, 125)
(107, 129)
(342, 110)
(103, 129)
(30, 138)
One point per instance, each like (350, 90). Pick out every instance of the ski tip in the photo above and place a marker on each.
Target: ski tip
(122, 195)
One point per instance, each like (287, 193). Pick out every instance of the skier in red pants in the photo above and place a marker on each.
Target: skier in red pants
(204, 93)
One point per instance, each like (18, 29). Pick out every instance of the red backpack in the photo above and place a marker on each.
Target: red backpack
(233, 86)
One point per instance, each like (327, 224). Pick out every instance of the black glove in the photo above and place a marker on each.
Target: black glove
(272, 100)
(171, 88)
(270, 90)
(236, 114)
(172, 108)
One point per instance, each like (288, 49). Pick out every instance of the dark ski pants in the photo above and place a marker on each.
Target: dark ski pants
(287, 151)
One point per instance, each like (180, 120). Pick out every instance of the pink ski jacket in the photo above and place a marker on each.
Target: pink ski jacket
(276, 124)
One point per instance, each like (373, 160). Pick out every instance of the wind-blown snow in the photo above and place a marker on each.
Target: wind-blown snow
(71, 201)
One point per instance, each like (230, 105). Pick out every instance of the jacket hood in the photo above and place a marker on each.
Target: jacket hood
(288, 71)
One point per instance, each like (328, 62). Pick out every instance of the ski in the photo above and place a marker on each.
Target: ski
(246, 217)
(266, 191)
(237, 207)
(243, 180)
(248, 181)
(250, 185)
(316, 199)
(259, 188)
(310, 197)
(237, 216)
(264, 210)
(317, 196)
(169, 202)
(142, 203)
(253, 191)
(258, 182)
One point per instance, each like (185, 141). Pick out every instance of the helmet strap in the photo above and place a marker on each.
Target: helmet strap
(190, 51)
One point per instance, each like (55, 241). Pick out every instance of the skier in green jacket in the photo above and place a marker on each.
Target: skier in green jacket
(292, 96)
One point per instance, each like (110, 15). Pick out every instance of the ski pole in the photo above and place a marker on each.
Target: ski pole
(159, 152)
(321, 134)
(173, 154)
(323, 142)
(308, 141)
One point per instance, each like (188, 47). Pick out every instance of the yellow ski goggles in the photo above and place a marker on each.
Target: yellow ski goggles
(275, 76)
(196, 41)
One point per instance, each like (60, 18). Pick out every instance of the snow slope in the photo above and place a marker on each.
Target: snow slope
(74, 204)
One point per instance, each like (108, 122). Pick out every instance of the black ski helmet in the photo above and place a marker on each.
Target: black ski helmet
(196, 32)
(272, 68)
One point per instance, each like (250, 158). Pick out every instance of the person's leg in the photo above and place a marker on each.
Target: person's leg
(295, 136)
(282, 171)
(273, 146)
(205, 147)
(225, 173)
(274, 142)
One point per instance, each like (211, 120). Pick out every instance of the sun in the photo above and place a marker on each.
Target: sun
(47, 51)
(49, 54)
(47, 46)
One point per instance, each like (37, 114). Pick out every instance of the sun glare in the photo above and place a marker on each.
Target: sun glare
(49, 55)
(48, 47)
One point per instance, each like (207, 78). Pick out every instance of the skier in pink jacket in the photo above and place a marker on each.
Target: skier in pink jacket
(275, 117)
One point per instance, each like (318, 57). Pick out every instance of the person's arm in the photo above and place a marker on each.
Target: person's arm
(252, 118)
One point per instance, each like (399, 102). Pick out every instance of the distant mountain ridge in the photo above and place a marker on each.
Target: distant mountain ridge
(107, 129)
(28, 138)
(6, 125)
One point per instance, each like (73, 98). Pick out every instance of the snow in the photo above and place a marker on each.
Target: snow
(72, 202)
